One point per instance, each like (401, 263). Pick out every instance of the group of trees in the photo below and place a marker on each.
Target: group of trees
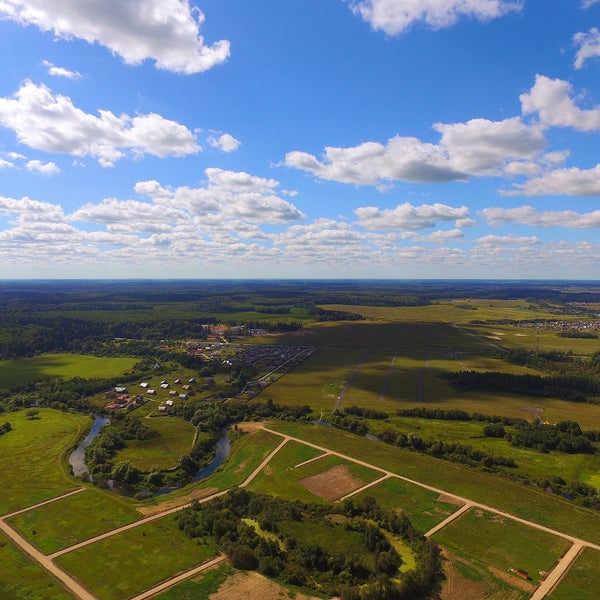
(565, 436)
(252, 529)
(5, 428)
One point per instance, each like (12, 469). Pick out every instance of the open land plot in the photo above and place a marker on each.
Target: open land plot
(424, 508)
(247, 452)
(31, 469)
(493, 490)
(501, 543)
(326, 478)
(175, 439)
(70, 520)
(127, 563)
(22, 578)
(24, 370)
(539, 466)
(318, 381)
(582, 580)
(203, 585)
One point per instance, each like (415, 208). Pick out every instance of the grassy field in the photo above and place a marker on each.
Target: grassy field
(21, 579)
(24, 370)
(31, 469)
(73, 519)
(582, 580)
(175, 440)
(424, 508)
(128, 563)
(200, 586)
(284, 474)
(500, 492)
(490, 540)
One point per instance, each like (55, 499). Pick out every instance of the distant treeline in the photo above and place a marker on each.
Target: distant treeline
(565, 387)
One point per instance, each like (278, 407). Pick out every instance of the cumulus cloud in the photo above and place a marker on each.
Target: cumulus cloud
(52, 123)
(231, 194)
(477, 147)
(225, 142)
(507, 240)
(6, 164)
(589, 46)
(569, 182)
(60, 71)
(38, 166)
(407, 216)
(396, 16)
(527, 215)
(551, 100)
(166, 31)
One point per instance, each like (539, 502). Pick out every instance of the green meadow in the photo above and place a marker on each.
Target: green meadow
(176, 439)
(490, 489)
(582, 580)
(32, 468)
(127, 563)
(490, 540)
(21, 371)
(22, 579)
(70, 520)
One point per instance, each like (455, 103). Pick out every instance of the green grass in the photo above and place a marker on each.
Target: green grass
(199, 587)
(31, 469)
(22, 579)
(488, 539)
(493, 490)
(73, 519)
(24, 370)
(582, 580)
(128, 563)
(282, 478)
(175, 440)
(247, 452)
(423, 507)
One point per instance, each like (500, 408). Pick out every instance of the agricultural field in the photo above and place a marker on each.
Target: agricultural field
(582, 580)
(20, 577)
(130, 562)
(70, 520)
(32, 468)
(502, 547)
(21, 371)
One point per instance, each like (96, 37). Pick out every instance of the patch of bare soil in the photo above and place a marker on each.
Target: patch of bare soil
(253, 586)
(181, 501)
(458, 587)
(333, 483)
(250, 426)
(449, 500)
(513, 580)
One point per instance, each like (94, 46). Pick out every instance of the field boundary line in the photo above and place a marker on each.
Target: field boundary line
(455, 515)
(167, 584)
(365, 487)
(34, 506)
(558, 572)
(313, 459)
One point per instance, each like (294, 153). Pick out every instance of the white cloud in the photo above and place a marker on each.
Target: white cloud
(551, 99)
(437, 237)
(60, 71)
(475, 148)
(588, 3)
(38, 166)
(5, 164)
(225, 142)
(527, 215)
(507, 240)
(407, 216)
(230, 194)
(167, 31)
(52, 123)
(396, 16)
(570, 182)
(589, 46)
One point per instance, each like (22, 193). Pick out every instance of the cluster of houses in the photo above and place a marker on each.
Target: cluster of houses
(165, 385)
(565, 326)
(120, 399)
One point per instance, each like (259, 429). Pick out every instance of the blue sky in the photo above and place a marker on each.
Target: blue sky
(300, 138)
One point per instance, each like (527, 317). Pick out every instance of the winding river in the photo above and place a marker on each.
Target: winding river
(77, 457)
